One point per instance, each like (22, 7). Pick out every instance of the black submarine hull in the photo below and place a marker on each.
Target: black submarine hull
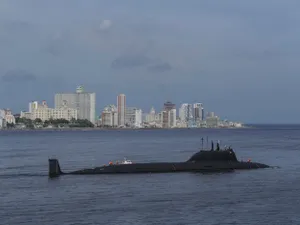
(159, 167)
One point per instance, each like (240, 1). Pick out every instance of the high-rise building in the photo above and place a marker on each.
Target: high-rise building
(133, 117)
(165, 119)
(2, 119)
(172, 118)
(150, 117)
(198, 112)
(83, 102)
(168, 115)
(109, 116)
(185, 112)
(168, 106)
(121, 105)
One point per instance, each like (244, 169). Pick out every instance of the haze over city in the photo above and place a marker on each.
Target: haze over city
(239, 58)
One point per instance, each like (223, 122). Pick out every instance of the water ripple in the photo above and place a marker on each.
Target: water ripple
(267, 196)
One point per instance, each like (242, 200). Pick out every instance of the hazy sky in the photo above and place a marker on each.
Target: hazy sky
(241, 59)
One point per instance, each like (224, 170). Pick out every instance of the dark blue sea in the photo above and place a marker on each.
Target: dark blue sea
(266, 196)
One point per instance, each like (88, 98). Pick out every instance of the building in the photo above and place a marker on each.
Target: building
(9, 117)
(109, 116)
(109, 119)
(43, 112)
(212, 120)
(198, 112)
(150, 117)
(210, 114)
(33, 105)
(168, 106)
(133, 117)
(172, 118)
(166, 114)
(185, 112)
(169, 118)
(2, 119)
(26, 115)
(83, 102)
(165, 119)
(121, 105)
(138, 118)
(6, 117)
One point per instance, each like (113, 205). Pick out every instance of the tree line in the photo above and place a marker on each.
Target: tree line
(54, 122)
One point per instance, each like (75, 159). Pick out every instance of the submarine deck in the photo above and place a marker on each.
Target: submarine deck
(163, 167)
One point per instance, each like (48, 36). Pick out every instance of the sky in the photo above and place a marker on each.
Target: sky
(241, 59)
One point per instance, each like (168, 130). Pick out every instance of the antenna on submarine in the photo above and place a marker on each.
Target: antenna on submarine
(202, 142)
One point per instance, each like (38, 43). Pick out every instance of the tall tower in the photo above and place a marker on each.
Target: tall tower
(121, 104)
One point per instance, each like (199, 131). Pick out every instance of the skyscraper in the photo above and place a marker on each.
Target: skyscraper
(185, 112)
(169, 115)
(121, 105)
(198, 112)
(168, 106)
(84, 102)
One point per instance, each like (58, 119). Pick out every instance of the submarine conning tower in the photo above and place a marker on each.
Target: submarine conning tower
(214, 155)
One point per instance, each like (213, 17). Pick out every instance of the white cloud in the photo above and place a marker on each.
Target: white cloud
(105, 24)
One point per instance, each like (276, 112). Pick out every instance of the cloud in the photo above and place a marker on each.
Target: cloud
(105, 24)
(130, 61)
(163, 67)
(140, 60)
(18, 76)
(15, 26)
(57, 43)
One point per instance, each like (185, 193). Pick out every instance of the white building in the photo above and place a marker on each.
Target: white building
(150, 117)
(83, 102)
(33, 105)
(212, 120)
(210, 114)
(169, 118)
(133, 117)
(26, 115)
(172, 118)
(138, 118)
(109, 116)
(43, 112)
(2, 119)
(6, 117)
(121, 105)
(9, 117)
(185, 112)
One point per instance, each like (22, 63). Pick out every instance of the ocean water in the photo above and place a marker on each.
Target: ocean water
(266, 196)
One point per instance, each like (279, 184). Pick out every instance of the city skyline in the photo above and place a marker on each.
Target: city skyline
(161, 107)
(80, 105)
(59, 103)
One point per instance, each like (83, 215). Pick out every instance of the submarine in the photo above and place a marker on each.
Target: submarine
(211, 160)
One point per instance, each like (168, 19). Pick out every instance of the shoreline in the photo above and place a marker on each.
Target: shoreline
(114, 129)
